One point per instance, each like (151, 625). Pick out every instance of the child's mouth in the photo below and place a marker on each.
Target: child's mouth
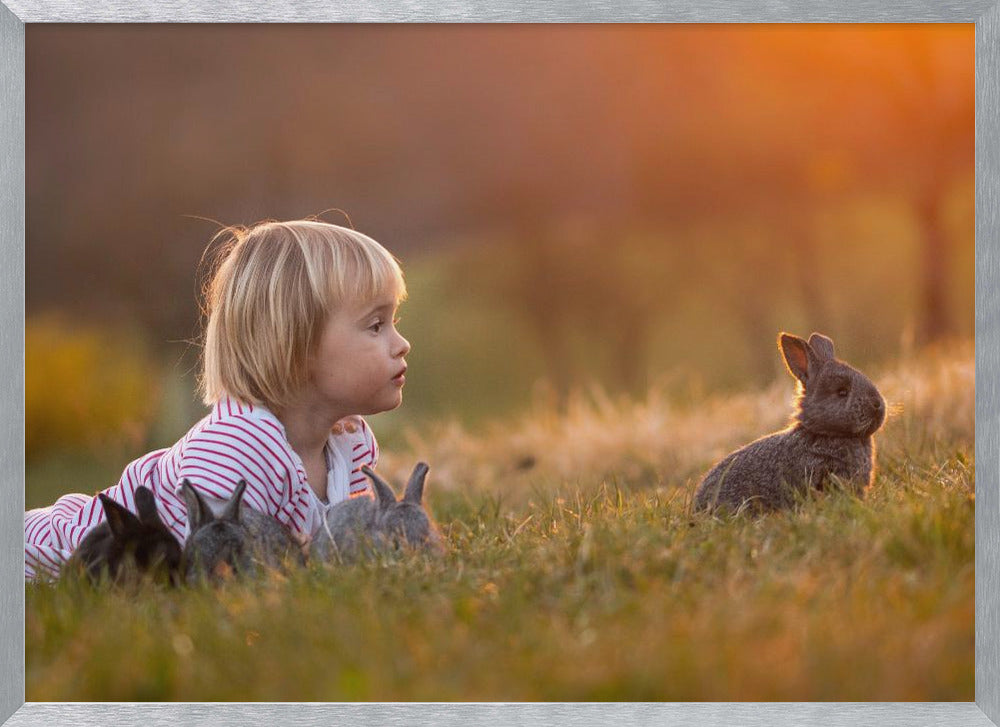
(400, 378)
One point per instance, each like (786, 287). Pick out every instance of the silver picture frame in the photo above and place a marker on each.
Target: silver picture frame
(985, 14)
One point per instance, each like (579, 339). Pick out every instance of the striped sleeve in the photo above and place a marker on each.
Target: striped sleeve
(43, 554)
(71, 517)
(52, 533)
(364, 451)
(216, 457)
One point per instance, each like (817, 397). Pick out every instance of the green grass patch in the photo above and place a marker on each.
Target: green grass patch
(576, 571)
(588, 593)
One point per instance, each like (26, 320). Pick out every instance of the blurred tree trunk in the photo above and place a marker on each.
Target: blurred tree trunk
(758, 330)
(624, 330)
(631, 356)
(800, 237)
(538, 290)
(752, 295)
(555, 352)
(935, 323)
(934, 131)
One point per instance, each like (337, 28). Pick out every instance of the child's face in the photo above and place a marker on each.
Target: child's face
(359, 363)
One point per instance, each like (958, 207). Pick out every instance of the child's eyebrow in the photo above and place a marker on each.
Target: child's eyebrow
(381, 307)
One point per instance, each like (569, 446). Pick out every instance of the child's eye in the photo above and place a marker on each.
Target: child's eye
(379, 323)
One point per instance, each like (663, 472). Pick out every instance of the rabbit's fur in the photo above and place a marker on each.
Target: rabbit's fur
(125, 547)
(238, 540)
(837, 412)
(363, 525)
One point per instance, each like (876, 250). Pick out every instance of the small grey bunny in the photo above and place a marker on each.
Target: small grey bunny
(238, 540)
(363, 525)
(126, 547)
(837, 412)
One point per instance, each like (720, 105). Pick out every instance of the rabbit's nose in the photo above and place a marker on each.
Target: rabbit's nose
(223, 571)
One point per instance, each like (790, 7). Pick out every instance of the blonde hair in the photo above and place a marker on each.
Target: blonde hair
(269, 296)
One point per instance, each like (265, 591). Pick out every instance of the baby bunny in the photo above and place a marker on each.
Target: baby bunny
(239, 540)
(364, 524)
(126, 547)
(838, 410)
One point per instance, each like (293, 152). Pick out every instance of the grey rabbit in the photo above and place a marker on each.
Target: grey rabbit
(237, 541)
(125, 547)
(837, 412)
(364, 525)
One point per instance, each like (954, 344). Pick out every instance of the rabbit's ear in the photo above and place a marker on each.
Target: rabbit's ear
(198, 512)
(796, 354)
(821, 346)
(232, 510)
(385, 494)
(415, 487)
(120, 520)
(145, 507)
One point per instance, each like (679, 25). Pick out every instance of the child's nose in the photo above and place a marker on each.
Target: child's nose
(402, 347)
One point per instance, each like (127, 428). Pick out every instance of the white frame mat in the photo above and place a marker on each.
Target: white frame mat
(986, 16)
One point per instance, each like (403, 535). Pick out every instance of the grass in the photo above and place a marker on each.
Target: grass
(576, 572)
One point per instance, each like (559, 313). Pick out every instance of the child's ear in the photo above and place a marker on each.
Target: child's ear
(795, 351)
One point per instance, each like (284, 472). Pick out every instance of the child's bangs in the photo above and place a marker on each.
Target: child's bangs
(365, 272)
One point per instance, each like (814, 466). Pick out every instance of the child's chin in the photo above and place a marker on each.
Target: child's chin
(389, 404)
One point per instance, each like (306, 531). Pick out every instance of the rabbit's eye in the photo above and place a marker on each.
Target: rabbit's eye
(842, 392)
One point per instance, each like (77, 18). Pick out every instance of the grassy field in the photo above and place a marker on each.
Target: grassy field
(577, 572)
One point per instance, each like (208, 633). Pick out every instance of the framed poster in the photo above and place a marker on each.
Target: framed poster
(825, 176)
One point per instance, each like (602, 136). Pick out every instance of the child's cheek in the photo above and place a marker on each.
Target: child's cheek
(372, 379)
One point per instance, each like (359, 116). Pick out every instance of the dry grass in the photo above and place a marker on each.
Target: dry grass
(584, 577)
(657, 443)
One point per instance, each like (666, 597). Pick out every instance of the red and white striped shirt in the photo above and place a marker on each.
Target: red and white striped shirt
(235, 441)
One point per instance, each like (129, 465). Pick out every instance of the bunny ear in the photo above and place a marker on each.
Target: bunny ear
(145, 507)
(120, 520)
(821, 346)
(796, 354)
(415, 487)
(384, 493)
(198, 512)
(232, 510)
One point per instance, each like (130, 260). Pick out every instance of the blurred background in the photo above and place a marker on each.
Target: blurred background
(576, 208)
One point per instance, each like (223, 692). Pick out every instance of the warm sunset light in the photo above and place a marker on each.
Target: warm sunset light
(631, 253)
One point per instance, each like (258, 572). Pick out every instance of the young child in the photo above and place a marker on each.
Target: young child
(300, 341)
